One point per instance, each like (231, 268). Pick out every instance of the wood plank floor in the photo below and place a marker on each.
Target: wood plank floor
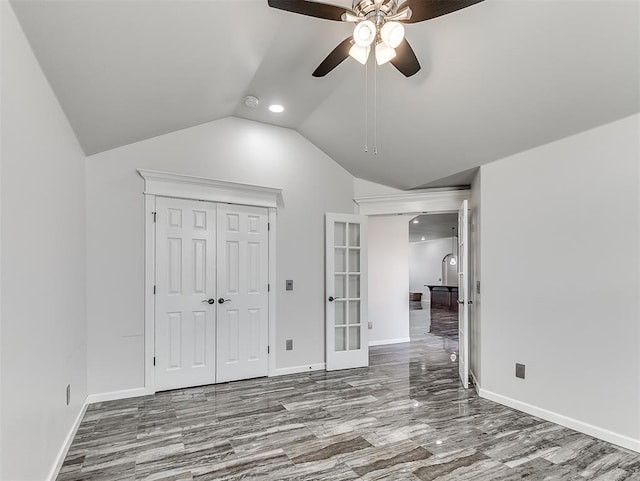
(403, 418)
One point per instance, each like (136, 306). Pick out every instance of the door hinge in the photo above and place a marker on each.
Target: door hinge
(268, 287)
(154, 360)
(268, 225)
(154, 290)
(154, 216)
(268, 349)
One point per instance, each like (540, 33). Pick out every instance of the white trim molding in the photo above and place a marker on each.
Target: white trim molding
(283, 371)
(116, 395)
(201, 188)
(437, 200)
(64, 449)
(595, 431)
(272, 290)
(385, 342)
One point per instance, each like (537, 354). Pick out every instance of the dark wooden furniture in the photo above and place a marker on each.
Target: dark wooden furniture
(444, 297)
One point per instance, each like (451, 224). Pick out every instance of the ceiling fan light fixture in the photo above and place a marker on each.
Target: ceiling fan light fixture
(364, 33)
(361, 54)
(384, 53)
(392, 34)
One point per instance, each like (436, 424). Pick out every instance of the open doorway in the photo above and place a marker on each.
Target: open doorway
(433, 280)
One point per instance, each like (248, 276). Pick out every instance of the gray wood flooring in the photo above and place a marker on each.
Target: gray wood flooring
(403, 418)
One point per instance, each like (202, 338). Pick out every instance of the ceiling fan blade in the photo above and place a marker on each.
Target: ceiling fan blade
(405, 60)
(428, 9)
(312, 9)
(335, 58)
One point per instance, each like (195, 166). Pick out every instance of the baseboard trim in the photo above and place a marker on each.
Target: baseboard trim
(115, 395)
(595, 431)
(64, 449)
(385, 342)
(283, 371)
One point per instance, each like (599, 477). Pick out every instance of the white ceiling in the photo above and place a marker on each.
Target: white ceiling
(497, 78)
(433, 226)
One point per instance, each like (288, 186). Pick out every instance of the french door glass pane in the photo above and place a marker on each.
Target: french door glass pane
(354, 235)
(340, 261)
(340, 287)
(341, 338)
(354, 286)
(354, 312)
(340, 234)
(354, 338)
(341, 310)
(354, 260)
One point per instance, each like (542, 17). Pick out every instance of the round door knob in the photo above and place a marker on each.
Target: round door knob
(222, 300)
(210, 301)
(331, 298)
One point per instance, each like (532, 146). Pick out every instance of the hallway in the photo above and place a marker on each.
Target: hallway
(403, 418)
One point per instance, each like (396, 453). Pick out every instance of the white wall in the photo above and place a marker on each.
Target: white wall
(231, 149)
(475, 270)
(573, 203)
(43, 265)
(425, 264)
(389, 278)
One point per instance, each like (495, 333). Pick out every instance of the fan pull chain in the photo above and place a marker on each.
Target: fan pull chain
(366, 107)
(375, 108)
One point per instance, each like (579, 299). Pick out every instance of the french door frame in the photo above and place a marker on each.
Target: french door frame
(164, 184)
(435, 201)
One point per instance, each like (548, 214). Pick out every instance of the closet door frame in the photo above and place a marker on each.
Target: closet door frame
(165, 184)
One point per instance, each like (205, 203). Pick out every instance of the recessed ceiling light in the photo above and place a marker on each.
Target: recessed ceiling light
(416, 221)
(422, 238)
(276, 109)
(251, 101)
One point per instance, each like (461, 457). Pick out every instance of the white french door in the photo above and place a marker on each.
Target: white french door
(346, 292)
(463, 294)
(243, 303)
(185, 277)
(211, 315)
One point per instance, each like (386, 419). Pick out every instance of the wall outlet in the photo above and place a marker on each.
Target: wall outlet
(370, 324)
(289, 343)
(520, 371)
(68, 394)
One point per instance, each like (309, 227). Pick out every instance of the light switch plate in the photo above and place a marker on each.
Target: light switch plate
(520, 371)
(289, 285)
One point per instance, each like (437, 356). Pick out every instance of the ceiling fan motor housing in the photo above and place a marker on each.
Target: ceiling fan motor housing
(364, 8)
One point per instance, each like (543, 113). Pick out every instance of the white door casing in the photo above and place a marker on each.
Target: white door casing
(463, 294)
(168, 184)
(185, 277)
(346, 318)
(243, 281)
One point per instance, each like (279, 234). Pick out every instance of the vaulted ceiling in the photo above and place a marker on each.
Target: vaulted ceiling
(497, 78)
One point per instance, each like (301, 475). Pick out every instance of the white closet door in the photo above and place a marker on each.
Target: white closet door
(243, 304)
(346, 292)
(463, 294)
(185, 281)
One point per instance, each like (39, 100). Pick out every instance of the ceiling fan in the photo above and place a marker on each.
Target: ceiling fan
(378, 24)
